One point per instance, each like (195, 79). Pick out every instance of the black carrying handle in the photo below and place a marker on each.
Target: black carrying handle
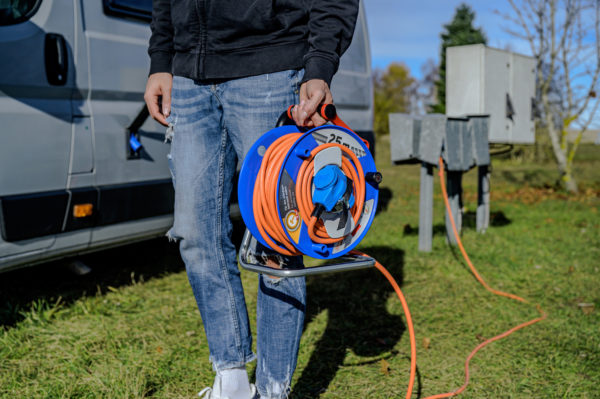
(327, 112)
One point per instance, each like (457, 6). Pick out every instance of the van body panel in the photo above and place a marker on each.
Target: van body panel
(119, 67)
(352, 85)
(35, 121)
(118, 70)
(35, 115)
(106, 237)
(36, 141)
(150, 227)
(82, 148)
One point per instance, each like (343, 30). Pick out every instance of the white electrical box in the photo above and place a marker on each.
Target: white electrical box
(485, 81)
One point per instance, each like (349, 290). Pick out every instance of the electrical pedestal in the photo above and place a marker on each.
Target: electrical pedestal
(463, 144)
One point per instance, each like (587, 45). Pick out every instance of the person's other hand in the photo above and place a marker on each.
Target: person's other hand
(312, 94)
(159, 85)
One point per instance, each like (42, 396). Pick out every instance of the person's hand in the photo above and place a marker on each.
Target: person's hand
(312, 94)
(159, 84)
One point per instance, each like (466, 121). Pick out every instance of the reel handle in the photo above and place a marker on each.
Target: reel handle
(327, 112)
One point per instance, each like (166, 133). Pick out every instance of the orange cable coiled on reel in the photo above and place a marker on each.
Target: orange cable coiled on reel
(265, 194)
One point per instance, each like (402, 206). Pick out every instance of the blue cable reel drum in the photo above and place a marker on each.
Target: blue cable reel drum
(332, 193)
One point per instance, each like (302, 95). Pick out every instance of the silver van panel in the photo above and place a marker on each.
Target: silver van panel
(352, 85)
(21, 251)
(36, 138)
(35, 118)
(150, 227)
(107, 237)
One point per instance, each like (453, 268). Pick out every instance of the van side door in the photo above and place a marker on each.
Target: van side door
(133, 185)
(37, 78)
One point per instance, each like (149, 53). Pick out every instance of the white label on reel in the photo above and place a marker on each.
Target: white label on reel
(323, 136)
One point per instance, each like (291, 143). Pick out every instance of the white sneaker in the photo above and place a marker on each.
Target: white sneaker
(208, 393)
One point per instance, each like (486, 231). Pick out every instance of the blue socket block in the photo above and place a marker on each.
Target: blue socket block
(330, 186)
(134, 143)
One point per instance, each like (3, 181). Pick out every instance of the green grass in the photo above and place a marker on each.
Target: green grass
(131, 329)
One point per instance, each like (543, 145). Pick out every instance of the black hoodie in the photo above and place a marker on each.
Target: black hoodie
(226, 39)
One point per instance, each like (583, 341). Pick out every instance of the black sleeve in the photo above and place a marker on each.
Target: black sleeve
(330, 29)
(161, 42)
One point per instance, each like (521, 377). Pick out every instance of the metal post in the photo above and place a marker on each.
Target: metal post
(454, 187)
(483, 198)
(426, 208)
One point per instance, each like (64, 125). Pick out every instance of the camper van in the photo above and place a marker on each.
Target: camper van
(82, 166)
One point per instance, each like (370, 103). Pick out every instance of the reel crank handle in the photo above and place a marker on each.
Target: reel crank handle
(357, 262)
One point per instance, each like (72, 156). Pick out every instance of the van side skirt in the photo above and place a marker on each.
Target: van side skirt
(31, 215)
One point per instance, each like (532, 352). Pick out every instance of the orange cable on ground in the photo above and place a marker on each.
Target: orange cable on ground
(459, 242)
(409, 324)
(487, 287)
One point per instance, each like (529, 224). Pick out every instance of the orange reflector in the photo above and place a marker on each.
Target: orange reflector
(83, 210)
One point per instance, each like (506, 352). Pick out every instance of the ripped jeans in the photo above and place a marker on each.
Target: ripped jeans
(212, 126)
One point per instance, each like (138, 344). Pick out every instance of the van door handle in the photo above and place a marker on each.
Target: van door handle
(56, 59)
(132, 136)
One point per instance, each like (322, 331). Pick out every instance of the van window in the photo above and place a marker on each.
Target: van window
(135, 9)
(16, 11)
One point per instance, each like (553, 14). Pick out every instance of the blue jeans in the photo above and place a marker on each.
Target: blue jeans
(213, 125)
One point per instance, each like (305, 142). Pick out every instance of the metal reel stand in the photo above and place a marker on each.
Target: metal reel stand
(347, 263)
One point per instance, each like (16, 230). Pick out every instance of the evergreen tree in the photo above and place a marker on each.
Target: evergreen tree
(460, 31)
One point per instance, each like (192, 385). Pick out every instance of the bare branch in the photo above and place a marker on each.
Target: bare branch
(597, 69)
(568, 66)
(523, 24)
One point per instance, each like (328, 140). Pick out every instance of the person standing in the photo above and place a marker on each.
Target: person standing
(221, 73)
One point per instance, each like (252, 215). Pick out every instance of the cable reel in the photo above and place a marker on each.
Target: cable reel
(309, 192)
(315, 193)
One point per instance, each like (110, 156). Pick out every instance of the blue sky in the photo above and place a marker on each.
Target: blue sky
(408, 31)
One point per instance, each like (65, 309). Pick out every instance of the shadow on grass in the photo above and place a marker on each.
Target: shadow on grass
(469, 221)
(357, 320)
(540, 177)
(43, 284)
(385, 196)
(409, 230)
(497, 219)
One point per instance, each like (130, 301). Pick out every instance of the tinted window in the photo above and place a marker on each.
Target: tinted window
(136, 9)
(15, 11)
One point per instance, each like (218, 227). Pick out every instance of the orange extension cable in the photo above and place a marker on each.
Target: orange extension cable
(409, 323)
(265, 194)
(271, 229)
(487, 287)
(270, 226)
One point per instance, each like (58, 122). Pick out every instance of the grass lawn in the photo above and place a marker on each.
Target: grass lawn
(131, 328)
